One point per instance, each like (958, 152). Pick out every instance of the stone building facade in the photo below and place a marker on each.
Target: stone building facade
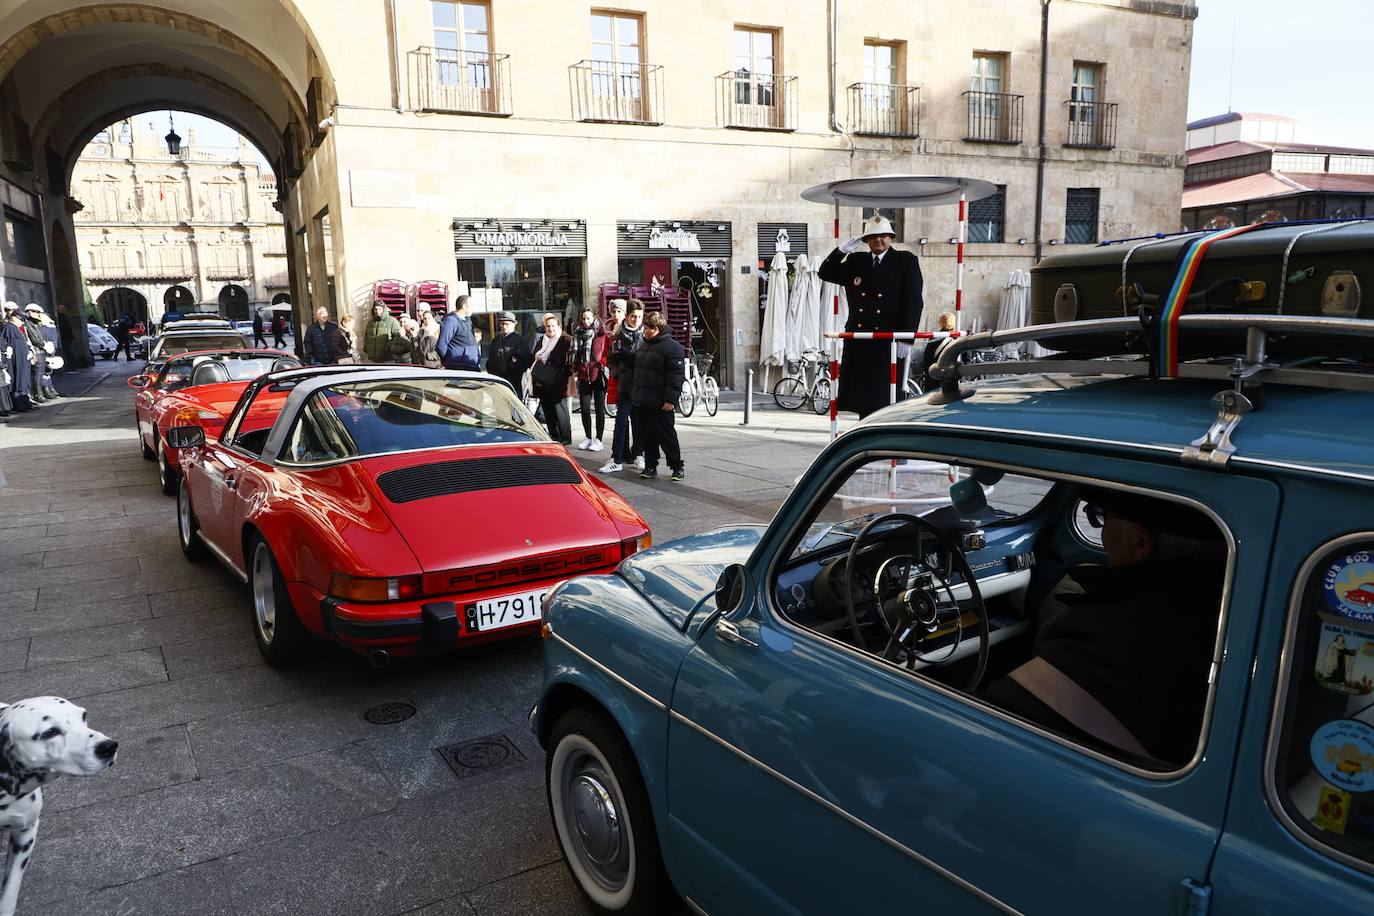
(195, 230)
(543, 148)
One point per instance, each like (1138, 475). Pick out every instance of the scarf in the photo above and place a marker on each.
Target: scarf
(546, 345)
(585, 336)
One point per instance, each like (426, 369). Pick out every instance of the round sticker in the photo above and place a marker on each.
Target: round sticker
(1343, 753)
(1349, 587)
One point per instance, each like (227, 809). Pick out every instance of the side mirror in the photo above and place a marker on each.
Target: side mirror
(730, 589)
(139, 381)
(179, 437)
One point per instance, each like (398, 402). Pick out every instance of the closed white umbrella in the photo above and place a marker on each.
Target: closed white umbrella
(796, 303)
(1015, 313)
(773, 340)
(826, 308)
(810, 304)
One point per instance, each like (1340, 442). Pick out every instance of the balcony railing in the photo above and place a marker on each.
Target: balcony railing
(994, 117)
(626, 93)
(884, 110)
(462, 82)
(106, 272)
(1092, 124)
(756, 101)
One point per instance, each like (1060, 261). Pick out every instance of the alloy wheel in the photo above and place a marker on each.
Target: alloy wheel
(264, 593)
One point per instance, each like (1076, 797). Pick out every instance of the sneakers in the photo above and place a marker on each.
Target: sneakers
(612, 467)
(594, 445)
(639, 462)
(648, 474)
(679, 473)
(585, 444)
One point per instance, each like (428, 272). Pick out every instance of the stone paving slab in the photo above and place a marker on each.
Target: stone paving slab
(241, 789)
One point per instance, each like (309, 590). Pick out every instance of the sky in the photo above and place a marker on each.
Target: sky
(1306, 60)
(208, 133)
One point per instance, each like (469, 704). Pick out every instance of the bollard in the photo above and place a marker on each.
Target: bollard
(748, 397)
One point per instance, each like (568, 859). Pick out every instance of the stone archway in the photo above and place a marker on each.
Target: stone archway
(178, 299)
(279, 298)
(121, 300)
(69, 302)
(233, 302)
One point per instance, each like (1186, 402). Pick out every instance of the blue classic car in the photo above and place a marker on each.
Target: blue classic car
(1081, 640)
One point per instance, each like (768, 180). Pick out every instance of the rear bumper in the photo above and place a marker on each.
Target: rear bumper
(437, 628)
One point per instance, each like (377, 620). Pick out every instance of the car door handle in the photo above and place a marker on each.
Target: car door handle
(231, 483)
(730, 633)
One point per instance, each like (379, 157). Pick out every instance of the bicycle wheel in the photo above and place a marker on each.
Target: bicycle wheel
(820, 396)
(687, 400)
(611, 409)
(710, 395)
(789, 393)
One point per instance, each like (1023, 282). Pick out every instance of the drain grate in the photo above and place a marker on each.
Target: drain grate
(389, 713)
(481, 755)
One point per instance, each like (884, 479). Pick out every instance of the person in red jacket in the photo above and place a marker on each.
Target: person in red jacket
(589, 368)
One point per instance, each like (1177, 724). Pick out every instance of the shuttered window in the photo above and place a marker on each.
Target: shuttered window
(1080, 216)
(987, 218)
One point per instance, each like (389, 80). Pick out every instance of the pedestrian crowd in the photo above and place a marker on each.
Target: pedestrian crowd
(30, 342)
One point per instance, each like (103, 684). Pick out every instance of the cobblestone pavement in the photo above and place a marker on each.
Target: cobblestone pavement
(244, 790)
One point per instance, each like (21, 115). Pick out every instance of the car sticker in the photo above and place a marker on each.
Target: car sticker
(1332, 810)
(1345, 660)
(1343, 754)
(1348, 585)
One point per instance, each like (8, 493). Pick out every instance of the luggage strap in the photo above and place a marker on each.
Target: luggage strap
(1164, 355)
(1062, 694)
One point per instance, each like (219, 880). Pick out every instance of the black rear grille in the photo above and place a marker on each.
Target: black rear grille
(448, 477)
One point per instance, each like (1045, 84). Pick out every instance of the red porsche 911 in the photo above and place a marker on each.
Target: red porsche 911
(394, 510)
(194, 389)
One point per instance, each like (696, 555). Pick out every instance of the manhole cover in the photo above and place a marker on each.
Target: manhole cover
(481, 755)
(389, 713)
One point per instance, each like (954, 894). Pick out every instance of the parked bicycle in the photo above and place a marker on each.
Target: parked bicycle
(699, 386)
(809, 382)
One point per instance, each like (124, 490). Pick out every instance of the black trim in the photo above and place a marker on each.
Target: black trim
(437, 627)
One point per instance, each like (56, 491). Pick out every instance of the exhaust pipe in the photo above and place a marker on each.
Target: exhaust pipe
(379, 658)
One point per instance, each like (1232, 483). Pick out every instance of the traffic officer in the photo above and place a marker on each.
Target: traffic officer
(883, 287)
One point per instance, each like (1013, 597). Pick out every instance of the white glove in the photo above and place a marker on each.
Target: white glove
(49, 349)
(849, 246)
(903, 350)
(9, 351)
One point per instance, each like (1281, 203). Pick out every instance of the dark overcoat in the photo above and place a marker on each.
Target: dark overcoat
(885, 297)
(18, 363)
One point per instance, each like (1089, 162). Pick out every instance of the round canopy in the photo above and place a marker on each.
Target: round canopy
(899, 191)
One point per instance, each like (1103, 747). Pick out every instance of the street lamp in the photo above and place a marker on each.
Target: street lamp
(173, 141)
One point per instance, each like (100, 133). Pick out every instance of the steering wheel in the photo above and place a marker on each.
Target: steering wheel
(915, 599)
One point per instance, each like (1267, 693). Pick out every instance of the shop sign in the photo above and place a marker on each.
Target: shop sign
(475, 237)
(522, 239)
(675, 239)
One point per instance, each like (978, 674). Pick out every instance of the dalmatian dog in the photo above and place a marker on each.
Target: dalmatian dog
(40, 738)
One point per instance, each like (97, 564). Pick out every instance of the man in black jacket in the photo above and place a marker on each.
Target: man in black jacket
(658, 375)
(510, 354)
(322, 340)
(883, 287)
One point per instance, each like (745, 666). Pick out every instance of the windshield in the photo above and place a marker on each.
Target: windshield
(373, 418)
(185, 343)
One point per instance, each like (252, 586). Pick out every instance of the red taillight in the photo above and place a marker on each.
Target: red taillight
(358, 588)
(634, 545)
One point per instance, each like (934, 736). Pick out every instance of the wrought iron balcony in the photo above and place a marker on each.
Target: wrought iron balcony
(1092, 125)
(115, 272)
(461, 82)
(994, 117)
(756, 101)
(884, 110)
(625, 93)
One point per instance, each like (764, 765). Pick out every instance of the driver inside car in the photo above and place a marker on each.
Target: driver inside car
(1124, 664)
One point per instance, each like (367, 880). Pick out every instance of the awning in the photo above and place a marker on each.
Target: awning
(899, 191)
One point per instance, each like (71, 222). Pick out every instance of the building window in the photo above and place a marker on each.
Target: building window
(1080, 216)
(1088, 122)
(755, 66)
(994, 115)
(462, 43)
(987, 217)
(617, 66)
(989, 72)
(882, 62)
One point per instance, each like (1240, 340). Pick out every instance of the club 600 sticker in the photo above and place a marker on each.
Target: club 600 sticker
(1343, 753)
(1349, 587)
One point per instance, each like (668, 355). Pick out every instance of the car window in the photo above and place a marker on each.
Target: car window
(256, 419)
(1324, 758)
(317, 435)
(185, 343)
(396, 415)
(176, 375)
(866, 574)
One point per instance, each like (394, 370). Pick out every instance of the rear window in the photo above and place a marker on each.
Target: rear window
(374, 418)
(172, 346)
(1324, 760)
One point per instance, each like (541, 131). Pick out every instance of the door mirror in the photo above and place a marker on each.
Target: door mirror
(139, 381)
(730, 589)
(180, 437)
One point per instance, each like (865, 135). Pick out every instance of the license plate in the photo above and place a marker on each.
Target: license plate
(505, 611)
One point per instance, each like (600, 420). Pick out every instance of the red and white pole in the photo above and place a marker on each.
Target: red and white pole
(892, 373)
(959, 262)
(835, 363)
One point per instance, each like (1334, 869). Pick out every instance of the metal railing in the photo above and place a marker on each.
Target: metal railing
(756, 101)
(994, 117)
(1092, 124)
(884, 110)
(628, 93)
(463, 82)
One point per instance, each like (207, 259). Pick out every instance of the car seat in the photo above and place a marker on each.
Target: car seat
(209, 372)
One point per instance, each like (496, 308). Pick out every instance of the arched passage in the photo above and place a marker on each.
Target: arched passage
(69, 303)
(114, 303)
(178, 299)
(233, 302)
